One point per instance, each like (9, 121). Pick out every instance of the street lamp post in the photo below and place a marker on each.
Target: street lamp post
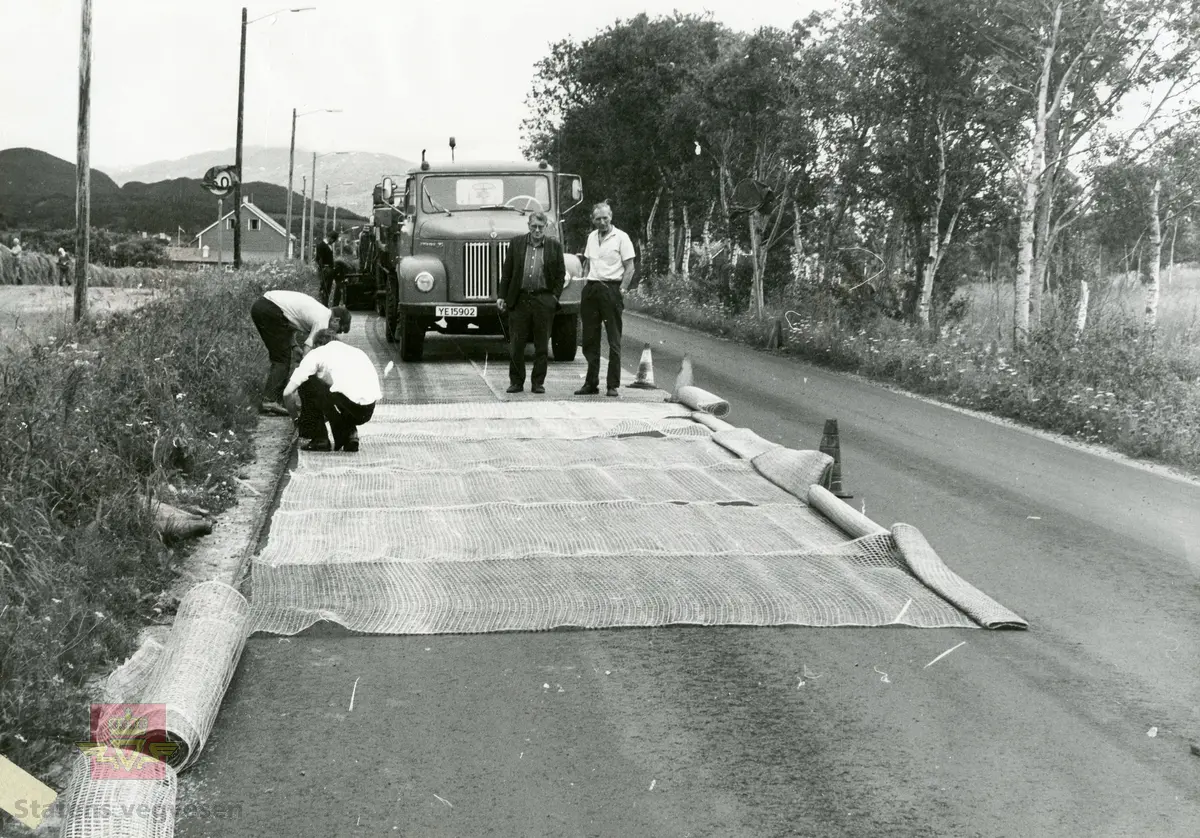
(292, 168)
(237, 163)
(303, 214)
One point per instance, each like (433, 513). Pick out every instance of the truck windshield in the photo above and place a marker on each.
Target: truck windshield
(442, 193)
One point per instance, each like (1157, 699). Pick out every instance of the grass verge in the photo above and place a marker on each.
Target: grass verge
(158, 401)
(1115, 385)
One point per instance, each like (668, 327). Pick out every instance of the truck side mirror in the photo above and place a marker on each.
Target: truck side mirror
(576, 190)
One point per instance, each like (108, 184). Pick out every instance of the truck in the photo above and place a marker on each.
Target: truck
(438, 241)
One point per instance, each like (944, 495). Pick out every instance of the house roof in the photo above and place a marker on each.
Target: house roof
(271, 222)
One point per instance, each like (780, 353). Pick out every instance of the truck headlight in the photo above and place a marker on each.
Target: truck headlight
(424, 281)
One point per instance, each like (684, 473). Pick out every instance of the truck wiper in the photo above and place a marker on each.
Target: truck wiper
(505, 207)
(435, 204)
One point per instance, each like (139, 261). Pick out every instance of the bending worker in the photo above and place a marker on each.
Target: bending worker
(531, 278)
(279, 316)
(337, 384)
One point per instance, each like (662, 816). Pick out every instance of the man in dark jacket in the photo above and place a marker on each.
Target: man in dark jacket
(325, 265)
(531, 278)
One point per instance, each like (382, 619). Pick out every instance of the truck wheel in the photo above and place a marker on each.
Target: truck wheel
(564, 336)
(412, 338)
(391, 310)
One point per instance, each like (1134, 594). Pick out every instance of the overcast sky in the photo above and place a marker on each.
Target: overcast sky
(406, 74)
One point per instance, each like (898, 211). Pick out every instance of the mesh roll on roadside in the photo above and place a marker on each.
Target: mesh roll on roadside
(792, 470)
(196, 666)
(846, 517)
(125, 807)
(702, 400)
(743, 442)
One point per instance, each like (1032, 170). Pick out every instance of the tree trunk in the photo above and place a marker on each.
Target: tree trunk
(671, 263)
(1150, 277)
(1171, 257)
(649, 248)
(1081, 312)
(1042, 245)
(755, 218)
(686, 260)
(1033, 174)
(798, 261)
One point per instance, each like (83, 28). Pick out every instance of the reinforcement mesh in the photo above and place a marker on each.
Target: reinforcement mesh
(530, 513)
(94, 806)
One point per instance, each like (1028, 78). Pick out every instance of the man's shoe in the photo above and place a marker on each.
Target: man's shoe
(273, 409)
(515, 388)
(538, 390)
(588, 390)
(612, 392)
(351, 446)
(317, 445)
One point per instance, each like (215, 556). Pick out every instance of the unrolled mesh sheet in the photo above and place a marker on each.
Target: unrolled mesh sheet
(384, 489)
(462, 518)
(854, 584)
(123, 807)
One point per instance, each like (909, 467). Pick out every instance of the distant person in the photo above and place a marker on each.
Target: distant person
(280, 316)
(325, 262)
(16, 252)
(338, 385)
(531, 278)
(608, 267)
(64, 267)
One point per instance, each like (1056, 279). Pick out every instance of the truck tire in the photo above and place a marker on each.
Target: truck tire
(412, 338)
(391, 310)
(564, 337)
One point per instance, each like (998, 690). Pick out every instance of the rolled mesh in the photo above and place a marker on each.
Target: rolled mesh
(927, 566)
(712, 422)
(792, 470)
(127, 681)
(846, 517)
(743, 442)
(196, 666)
(125, 807)
(703, 401)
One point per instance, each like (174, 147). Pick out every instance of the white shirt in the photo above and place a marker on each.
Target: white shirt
(346, 369)
(606, 259)
(302, 311)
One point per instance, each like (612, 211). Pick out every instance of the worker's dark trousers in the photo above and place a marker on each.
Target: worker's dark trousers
(318, 405)
(602, 305)
(530, 318)
(276, 332)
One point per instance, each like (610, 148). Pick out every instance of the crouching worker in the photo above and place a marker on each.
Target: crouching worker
(280, 317)
(338, 385)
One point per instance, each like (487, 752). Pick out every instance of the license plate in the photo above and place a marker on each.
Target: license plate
(457, 311)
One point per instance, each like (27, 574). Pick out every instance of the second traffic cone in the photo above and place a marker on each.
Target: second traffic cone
(645, 372)
(830, 445)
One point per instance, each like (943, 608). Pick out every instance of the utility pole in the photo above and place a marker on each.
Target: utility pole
(291, 166)
(312, 208)
(303, 215)
(237, 186)
(325, 223)
(83, 167)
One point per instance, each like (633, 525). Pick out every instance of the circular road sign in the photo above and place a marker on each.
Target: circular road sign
(220, 180)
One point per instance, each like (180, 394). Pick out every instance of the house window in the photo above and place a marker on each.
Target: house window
(254, 224)
(228, 223)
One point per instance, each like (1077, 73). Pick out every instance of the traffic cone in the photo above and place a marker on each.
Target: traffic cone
(684, 379)
(831, 446)
(645, 372)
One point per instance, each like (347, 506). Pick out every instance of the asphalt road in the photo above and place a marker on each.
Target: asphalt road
(766, 732)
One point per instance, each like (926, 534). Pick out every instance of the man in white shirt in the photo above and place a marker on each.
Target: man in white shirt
(338, 384)
(279, 316)
(609, 270)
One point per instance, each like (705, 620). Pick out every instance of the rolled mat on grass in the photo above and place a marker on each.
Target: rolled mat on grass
(196, 666)
(702, 400)
(95, 806)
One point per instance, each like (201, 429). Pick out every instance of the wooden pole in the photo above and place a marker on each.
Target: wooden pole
(303, 216)
(83, 168)
(312, 210)
(325, 223)
(237, 163)
(220, 231)
(291, 168)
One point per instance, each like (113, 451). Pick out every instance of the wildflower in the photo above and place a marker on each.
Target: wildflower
(179, 396)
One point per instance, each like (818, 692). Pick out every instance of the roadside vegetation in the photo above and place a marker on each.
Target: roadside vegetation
(160, 402)
(1112, 384)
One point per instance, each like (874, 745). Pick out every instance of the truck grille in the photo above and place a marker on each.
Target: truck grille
(481, 268)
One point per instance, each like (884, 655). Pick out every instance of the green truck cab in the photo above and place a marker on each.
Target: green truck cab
(440, 239)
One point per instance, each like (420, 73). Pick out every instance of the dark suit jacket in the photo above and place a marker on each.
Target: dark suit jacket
(554, 269)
